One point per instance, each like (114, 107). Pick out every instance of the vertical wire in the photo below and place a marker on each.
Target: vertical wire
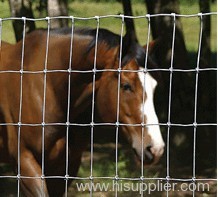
(1, 41)
(0, 37)
(44, 104)
(145, 72)
(170, 98)
(143, 100)
(93, 102)
(118, 100)
(196, 100)
(20, 106)
(68, 106)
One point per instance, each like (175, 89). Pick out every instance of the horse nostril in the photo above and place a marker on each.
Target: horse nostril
(148, 156)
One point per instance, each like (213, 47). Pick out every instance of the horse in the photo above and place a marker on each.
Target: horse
(47, 91)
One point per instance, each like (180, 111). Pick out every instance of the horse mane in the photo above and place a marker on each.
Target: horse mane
(111, 39)
(131, 49)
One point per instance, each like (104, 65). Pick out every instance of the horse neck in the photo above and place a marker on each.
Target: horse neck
(6, 50)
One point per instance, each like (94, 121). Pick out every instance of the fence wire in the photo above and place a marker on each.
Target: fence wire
(116, 124)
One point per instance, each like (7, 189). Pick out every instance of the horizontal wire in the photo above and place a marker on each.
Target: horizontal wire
(107, 70)
(111, 178)
(92, 124)
(121, 16)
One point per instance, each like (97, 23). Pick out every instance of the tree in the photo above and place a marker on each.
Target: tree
(20, 8)
(23, 8)
(58, 8)
(205, 49)
(162, 28)
(130, 27)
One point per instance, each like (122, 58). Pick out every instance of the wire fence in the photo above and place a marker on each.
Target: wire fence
(169, 124)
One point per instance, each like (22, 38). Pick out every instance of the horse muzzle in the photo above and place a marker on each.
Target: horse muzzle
(151, 154)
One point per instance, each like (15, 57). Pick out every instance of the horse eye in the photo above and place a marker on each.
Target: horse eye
(126, 87)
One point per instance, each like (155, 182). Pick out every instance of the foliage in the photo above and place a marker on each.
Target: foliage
(87, 9)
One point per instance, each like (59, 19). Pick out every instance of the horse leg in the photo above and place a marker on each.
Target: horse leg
(56, 187)
(31, 187)
(78, 142)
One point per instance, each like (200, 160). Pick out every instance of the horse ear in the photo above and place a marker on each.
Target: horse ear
(152, 49)
(129, 48)
(152, 46)
(85, 98)
(127, 42)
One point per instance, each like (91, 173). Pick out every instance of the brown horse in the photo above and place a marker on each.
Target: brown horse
(38, 93)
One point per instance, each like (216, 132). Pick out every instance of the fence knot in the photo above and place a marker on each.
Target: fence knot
(97, 18)
(174, 16)
(171, 69)
(94, 71)
(195, 124)
(167, 178)
(19, 124)
(168, 124)
(116, 178)
(148, 16)
(69, 70)
(43, 124)
(117, 124)
(18, 177)
(145, 70)
(92, 124)
(67, 177)
(122, 17)
(72, 19)
(47, 18)
(24, 19)
(21, 71)
(200, 15)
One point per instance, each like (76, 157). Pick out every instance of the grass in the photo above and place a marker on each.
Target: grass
(86, 9)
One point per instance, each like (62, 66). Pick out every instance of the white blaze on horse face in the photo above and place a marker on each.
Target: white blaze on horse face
(149, 84)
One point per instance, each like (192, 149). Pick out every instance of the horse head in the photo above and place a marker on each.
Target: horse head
(137, 117)
(135, 107)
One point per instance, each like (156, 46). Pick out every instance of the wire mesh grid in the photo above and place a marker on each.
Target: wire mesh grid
(116, 124)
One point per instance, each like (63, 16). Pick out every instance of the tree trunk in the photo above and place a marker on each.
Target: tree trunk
(130, 27)
(207, 101)
(20, 8)
(58, 8)
(205, 47)
(43, 4)
(162, 28)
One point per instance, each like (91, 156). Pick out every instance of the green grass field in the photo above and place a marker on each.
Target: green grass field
(87, 9)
